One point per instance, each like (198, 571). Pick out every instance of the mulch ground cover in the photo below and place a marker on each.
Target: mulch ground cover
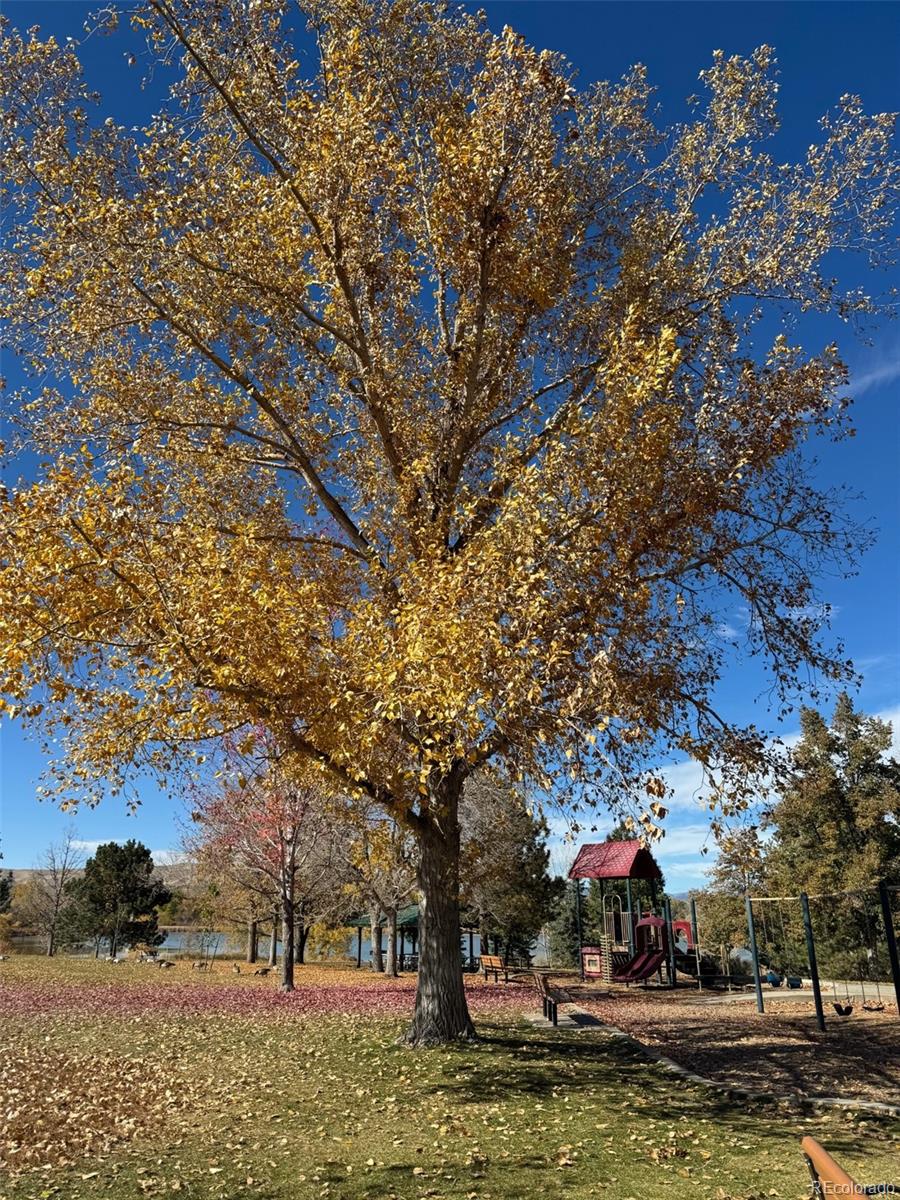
(779, 1051)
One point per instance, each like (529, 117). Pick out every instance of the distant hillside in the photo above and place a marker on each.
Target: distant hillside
(175, 875)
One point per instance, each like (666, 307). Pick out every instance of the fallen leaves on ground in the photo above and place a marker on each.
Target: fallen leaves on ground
(58, 1107)
(136, 1085)
(29, 996)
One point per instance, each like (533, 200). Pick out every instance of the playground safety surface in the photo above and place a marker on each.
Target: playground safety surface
(780, 1051)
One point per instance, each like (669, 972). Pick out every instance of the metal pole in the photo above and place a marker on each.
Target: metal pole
(630, 918)
(670, 939)
(359, 946)
(811, 955)
(653, 896)
(578, 925)
(891, 938)
(695, 938)
(760, 1007)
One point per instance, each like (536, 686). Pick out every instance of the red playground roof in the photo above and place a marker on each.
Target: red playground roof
(614, 860)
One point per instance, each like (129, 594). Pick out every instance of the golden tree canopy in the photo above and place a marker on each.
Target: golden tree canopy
(411, 407)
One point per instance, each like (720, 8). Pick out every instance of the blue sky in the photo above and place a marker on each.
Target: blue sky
(824, 50)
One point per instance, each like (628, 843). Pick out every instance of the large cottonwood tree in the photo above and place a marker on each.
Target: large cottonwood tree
(400, 396)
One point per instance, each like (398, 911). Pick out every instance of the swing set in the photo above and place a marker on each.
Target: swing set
(846, 937)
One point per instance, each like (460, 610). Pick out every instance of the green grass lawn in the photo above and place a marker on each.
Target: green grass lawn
(285, 1106)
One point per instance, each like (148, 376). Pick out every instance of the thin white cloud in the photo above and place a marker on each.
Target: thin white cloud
(878, 375)
(682, 876)
(685, 778)
(169, 858)
(816, 612)
(683, 841)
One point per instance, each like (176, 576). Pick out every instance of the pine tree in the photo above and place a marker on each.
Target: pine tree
(506, 888)
(117, 897)
(836, 833)
(837, 823)
(564, 926)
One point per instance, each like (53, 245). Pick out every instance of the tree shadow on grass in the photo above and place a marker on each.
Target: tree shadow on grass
(526, 1177)
(542, 1065)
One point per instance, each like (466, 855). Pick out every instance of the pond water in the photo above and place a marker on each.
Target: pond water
(219, 944)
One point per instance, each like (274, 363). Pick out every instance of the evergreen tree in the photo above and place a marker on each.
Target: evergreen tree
(564, 925)
(837, 823)
(506, 888)
(117, 897)
(836, 833)
(5, 891)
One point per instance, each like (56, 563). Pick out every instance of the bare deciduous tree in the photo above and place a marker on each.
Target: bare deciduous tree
(41, 900)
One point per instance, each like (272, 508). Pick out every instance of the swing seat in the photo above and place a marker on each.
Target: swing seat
(842, 1010)
(794, 981)
(774, 979)
(873, 1006)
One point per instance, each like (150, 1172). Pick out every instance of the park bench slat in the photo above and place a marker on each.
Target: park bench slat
(493, 964)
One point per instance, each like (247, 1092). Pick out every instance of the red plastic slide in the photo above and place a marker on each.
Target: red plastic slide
(642, 966)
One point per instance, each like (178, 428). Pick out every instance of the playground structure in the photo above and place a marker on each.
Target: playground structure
(632, 946)
(847, 938)
(644, 957)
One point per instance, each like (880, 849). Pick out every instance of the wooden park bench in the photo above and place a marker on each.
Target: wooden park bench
(829, 1179)
(549, 996)
(493, 964)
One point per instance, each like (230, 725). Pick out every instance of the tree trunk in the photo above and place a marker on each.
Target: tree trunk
(441, 1013)
(391, 965)
(273, 944)
(300, 943)
(377, 956)
(287, 944)
(51, 941)
(252, 940)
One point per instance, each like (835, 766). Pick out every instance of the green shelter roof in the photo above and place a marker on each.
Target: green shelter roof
(407, 917)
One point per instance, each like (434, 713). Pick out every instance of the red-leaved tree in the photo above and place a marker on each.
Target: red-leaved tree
(267, 827)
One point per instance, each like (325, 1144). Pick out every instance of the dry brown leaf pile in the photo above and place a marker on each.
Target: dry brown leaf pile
(58, 1107)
